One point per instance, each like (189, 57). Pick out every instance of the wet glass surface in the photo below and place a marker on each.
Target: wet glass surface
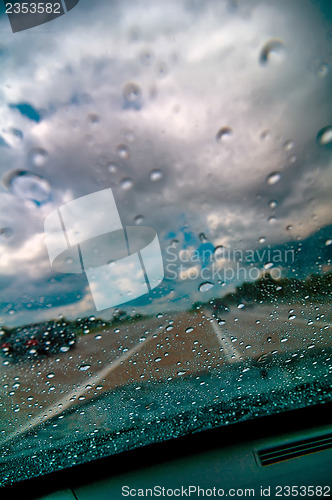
(165, 223)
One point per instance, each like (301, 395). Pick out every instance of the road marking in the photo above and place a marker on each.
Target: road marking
(62, 404)
(230, 352)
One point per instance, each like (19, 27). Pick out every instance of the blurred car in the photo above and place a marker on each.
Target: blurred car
(33, 340)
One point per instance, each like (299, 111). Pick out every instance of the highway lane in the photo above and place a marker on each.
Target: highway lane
(163, 348)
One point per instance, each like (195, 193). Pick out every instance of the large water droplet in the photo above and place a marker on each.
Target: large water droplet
(126, 183)
(224, 134)
(272, 47)
(156, 175)
(28, 186)
(204, 287)
(324, 136)
(273, 178)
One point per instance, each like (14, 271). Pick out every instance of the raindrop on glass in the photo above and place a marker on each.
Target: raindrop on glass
(131, 92)
(138, 220)
(123, 151)
(323, 70)
(112, 167)
(84, 368)
(224, 134)
(288, 145)
(146, 57)
(156, 175)
(129, 135)
(28, 186)
(18, 134)
(161, 69)
(265, 134)
(38, 157)
(272, 47)
(273, 178)
(272, 220)
(324, 136)
(204, 287)
(126, 183)
(219, 251)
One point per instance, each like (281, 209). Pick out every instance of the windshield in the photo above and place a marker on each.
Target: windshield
(165, 221)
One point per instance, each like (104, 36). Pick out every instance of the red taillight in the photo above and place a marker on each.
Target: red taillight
(31, 342)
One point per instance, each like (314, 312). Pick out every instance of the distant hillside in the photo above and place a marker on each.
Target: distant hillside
(315, 288)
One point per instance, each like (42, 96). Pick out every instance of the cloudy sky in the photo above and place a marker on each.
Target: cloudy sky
(201, 116)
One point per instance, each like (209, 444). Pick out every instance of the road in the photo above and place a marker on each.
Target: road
(163, 348)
